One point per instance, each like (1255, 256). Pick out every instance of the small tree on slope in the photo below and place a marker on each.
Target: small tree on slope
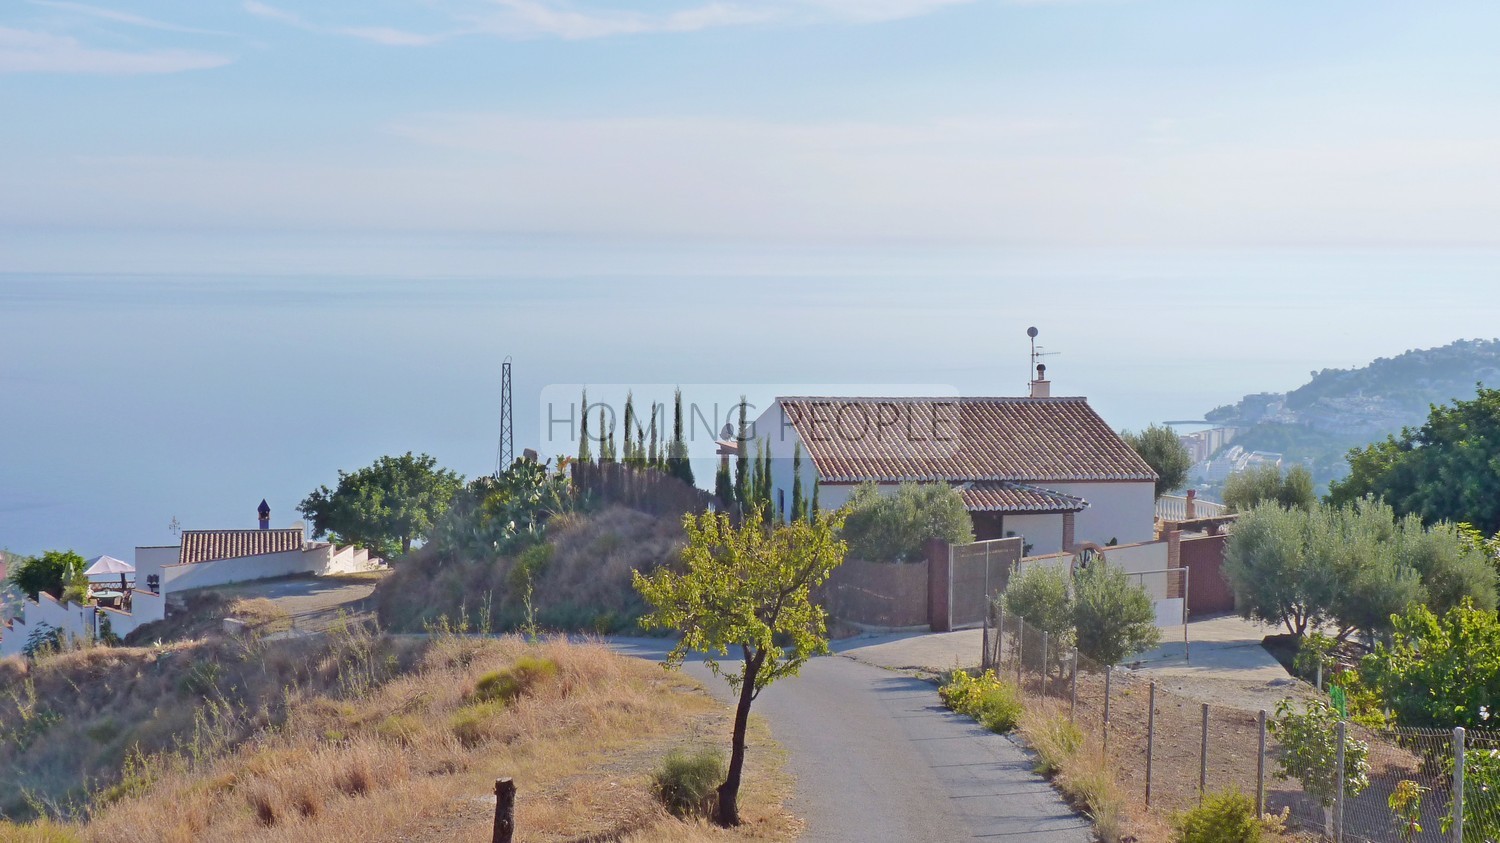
(748, 588)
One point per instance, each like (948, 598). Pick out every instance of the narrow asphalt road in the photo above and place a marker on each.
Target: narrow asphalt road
(877, 758)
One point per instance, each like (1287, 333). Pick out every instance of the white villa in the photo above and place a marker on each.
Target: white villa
(1049, 470)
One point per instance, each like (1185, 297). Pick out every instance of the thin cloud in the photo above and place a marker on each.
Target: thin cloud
(124, 17)
(25, 51)
(389, 36)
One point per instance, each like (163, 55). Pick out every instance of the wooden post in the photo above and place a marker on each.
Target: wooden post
(1150, 736)
(1000, 638)
(1260, 766)
(1203, 758)
(1020, 653)
(1108, 674)
(505, 811)
(1073, 692)
(1045, 665)
(1458, 785)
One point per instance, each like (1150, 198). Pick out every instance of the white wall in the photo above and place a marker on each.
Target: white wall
(150, 560)
(1124, 512)
(1044, 532)
(190, 575)
(783, 440)
(74, 620)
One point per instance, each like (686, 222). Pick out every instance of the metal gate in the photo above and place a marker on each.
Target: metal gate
(976, 573)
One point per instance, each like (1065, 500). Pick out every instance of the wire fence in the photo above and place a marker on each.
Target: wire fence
(1399, 785)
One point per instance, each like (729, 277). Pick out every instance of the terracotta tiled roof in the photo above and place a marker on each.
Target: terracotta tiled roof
(208, 545)
(851, 440)
(1018, 497)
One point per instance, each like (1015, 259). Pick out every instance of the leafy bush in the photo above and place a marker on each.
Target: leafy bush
(1224, 817)
(992, 701)
(1481, 797)
(1438, 671)
(1246, 490)
(1039, 594)
(687, 783)
(506, 686)
(1113, 618)
(893, 528)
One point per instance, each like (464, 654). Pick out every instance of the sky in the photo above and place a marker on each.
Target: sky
(341, 137)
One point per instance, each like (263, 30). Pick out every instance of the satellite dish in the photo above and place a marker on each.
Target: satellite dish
(1031, 332)
(727, 432)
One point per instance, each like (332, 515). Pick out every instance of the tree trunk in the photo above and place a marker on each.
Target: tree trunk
(405, 545)
(728, 812)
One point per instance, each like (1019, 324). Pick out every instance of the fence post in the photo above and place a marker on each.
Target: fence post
(505, 811)
(1458, 784)
(1150, 737)
(984, 642)
(1000, 638)
(1045, 666)
(1073, 691)
(1338, 795)
(1020, 652)
(1109, 673)
(1260, 766)
(1203, 758)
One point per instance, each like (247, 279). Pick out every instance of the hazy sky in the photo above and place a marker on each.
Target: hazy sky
(148, 135)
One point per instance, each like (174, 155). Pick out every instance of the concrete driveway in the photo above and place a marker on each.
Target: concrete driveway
(879, 760)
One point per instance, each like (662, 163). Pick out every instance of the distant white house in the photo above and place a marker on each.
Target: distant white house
(201, 559)
(1047, 469)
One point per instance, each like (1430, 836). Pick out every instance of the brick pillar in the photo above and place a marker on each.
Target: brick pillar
(1174, 549)
(1189, 508)
(939, 612)
(1069, 520)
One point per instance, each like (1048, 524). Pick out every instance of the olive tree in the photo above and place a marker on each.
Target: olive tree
(1113, 618)
(746, 587)
(894, 527)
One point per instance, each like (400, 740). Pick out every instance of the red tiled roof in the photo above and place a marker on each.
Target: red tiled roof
(208, 545)
(1017, 497)
(851, 440)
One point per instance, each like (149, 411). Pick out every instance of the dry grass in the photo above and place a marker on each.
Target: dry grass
(1076, 763)
(390, 740)
(584, 585)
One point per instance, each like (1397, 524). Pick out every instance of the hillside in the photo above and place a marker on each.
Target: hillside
(1339, 409)
(354, 736)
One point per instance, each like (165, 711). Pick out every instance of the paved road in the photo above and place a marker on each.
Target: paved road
(878, 759)
(313, 603)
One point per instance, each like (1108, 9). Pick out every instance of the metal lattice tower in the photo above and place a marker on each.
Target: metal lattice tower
(507, 453)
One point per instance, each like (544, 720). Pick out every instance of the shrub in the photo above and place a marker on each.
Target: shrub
(1224, 817)
(1438, 671)
(1039, 594)
(1114, 619)
(893, 528)
(506, 686)
(477, 724)
(988, 699)
(687, 783)
(1310, 750)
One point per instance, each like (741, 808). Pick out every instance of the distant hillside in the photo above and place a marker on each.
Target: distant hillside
(1339, 409)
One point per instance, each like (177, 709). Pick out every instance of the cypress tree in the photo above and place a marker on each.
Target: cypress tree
(585, 453)
(757, 479)
(812, 511)
(723, 486)
(606, 440)
(677, 455)
(797, 513)
(772, 513)
(628, 445)
(653, 459)
(742, 463)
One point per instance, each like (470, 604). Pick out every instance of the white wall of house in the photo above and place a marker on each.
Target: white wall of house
(150, 560)
(1043, 531)
(1122, 511)
(182, 577)
(783, 440)
(74, 620)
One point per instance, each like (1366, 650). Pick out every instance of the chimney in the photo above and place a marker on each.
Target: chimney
(1041, 387)
(265, 514)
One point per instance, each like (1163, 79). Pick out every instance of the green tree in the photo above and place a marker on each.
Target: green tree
(500, 516)
(896, 527)
(627, 446)
(1112, 618)
(1446, 470)
(385, 506)
(742, 461)
(1164, 452)
(1439, 670)
(1040, 594)
(607, 452)
(798, 502)
(653, 459)
(748, 588)
(1309, 743)
(723, 486)
(50, 571)
(1245, 490)
(585, 451)
(678, 464)
(812, 509)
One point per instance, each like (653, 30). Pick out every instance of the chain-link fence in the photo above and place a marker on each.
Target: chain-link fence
(976, 573)
(1167, 750)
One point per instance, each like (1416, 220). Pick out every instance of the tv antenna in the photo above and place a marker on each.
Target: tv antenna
(1037, 353)
(507, 451)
